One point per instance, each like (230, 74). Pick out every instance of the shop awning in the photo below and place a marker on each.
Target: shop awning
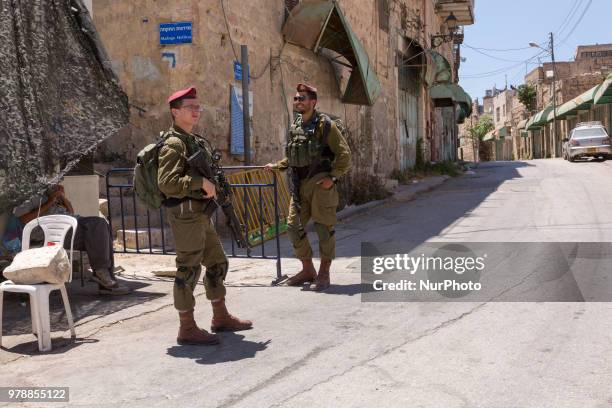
(539, 119)
(465, 102)
(461, 115)
(438, 69)
(489, 136)
(581, 102)
(521, 124)
(449, 94)
(502, 132)
(317, 24)
(604, 92)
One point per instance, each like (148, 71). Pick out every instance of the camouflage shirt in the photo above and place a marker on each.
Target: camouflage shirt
(337, 144)
(173, 178)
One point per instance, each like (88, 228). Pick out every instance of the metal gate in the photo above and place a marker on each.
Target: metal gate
(409, 96)
(409, 128)
(259, 199)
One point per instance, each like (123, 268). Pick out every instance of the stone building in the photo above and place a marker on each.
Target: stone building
(591, 65)
(521, 144)
(468, 145)
(396, 45)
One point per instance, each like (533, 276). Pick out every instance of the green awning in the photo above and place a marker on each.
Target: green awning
(489, 136)
(445, 95)
(539, 119)
(438, 69)
(317, 24)
(465, 102)
(461, 115)
(581, 102)
(604, 92)
(502, 132)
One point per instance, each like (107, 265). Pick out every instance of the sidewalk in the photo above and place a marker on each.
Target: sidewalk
(94, 313)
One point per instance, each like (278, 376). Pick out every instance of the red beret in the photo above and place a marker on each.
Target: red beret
(182, 93)
(306, 88)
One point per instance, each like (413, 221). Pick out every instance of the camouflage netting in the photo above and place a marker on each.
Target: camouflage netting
(58, 95)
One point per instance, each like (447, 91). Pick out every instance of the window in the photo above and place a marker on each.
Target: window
(596, 54)
(383, 15)
(497, 114)
(592, 132)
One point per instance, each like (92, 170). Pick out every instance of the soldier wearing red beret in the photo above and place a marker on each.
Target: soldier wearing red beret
(196, 241)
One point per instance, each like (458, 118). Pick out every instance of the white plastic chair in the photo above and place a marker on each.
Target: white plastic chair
(55, 228)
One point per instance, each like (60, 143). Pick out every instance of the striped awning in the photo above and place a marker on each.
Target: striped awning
(539, 119)
(581, 102)
(604, 92)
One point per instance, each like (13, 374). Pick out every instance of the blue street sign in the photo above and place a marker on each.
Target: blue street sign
(175, 33)
(238, 71)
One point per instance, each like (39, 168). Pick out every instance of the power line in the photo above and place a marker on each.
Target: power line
(568, 18)
(577, 22)
(229, 34)
(489, 55)
(501, 70)
(496, 49)
(564, 24)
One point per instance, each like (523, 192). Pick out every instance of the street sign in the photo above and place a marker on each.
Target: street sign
(238, 71)
(175, 33)
(237, 120)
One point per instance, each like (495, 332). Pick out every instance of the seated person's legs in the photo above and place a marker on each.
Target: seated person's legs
(93, 236)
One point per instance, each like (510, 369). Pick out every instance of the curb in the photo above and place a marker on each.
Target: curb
(399, 196)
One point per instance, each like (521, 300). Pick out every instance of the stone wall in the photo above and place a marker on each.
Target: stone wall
(149, 72)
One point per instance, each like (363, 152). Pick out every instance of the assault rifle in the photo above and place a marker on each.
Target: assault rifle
(199, 164)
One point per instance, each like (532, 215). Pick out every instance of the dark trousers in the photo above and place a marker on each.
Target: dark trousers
(93, 236)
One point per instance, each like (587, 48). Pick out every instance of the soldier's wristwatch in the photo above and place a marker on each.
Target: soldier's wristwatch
(334, 179)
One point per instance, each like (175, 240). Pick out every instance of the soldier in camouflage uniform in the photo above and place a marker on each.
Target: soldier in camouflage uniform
(196, 241)
(317, 155)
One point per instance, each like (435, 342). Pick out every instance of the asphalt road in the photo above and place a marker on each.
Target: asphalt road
(318, 350)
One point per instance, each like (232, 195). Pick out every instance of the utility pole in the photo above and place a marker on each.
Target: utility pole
(246, 115)
(554, 90)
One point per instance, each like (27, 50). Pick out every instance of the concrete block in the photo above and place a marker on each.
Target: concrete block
(131, 237)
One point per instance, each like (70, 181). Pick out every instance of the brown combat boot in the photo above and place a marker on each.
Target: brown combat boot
(190, 333)
(322, 281)
(223, 321)
(307, 274)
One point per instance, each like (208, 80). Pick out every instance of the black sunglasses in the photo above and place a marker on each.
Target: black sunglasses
(300, 98)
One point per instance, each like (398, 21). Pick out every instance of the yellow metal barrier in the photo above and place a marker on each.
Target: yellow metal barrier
(260, 209)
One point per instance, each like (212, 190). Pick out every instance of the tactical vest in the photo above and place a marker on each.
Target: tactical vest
(192, 147)
(190, 143)
(308, 148)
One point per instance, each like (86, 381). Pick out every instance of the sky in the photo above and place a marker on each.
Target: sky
(513, 24)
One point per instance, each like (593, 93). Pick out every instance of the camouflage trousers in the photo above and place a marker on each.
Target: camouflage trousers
(319, 204)
(197, 244)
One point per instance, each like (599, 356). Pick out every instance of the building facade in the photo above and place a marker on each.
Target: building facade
(572, 78)
(396, 37)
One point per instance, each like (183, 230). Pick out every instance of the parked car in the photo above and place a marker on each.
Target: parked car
(587, 139)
